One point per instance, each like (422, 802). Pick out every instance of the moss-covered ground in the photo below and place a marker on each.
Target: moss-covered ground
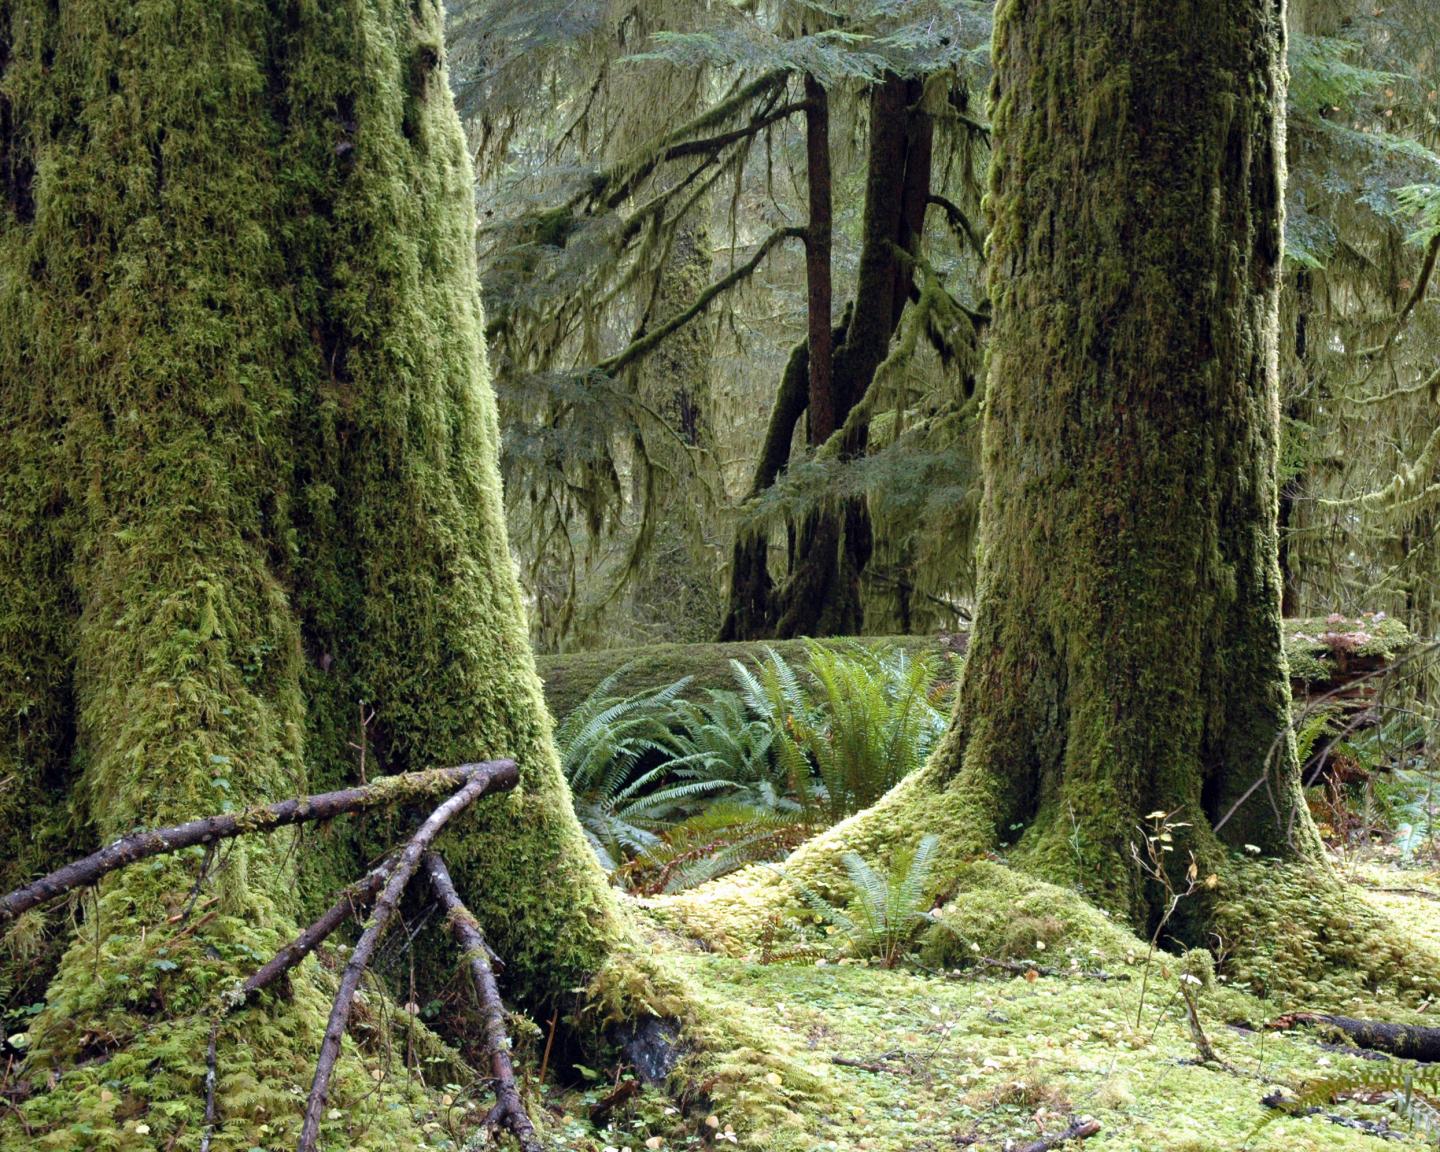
(990, 1059)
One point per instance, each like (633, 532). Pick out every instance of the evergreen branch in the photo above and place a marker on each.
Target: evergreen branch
(642, 347)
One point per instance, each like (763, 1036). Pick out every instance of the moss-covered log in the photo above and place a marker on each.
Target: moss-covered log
(248, 479)
(571, 677)
(1322, 654)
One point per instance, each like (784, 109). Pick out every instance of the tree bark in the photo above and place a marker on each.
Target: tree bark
(1126, 654)
(249, 445)
(1126, 650)
(822, 595)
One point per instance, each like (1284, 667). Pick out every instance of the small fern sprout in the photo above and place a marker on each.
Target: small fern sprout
(885, 908)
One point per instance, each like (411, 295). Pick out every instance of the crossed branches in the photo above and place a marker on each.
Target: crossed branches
(379, 892)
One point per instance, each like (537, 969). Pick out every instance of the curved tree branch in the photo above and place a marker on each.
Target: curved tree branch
(492, 775)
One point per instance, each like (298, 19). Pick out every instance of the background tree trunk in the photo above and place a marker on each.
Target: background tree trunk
(249, 480)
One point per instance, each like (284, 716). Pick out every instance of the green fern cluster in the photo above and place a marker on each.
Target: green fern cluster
(852, 727)
(675, 791)
(886, 908)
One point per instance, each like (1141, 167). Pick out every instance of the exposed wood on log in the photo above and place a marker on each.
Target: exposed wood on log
(405, 866)
(355, 898)
(491, 776)
(1412, 1041)
(509, 1109)
(605, 1107)
(1080, 1130)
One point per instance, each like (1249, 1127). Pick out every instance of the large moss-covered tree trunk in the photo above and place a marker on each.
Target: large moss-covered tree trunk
(248, 480)
(1126, 655)
(1126, 652)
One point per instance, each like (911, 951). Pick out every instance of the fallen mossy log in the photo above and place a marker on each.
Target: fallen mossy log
(1081, 1129)
(491, 775)
(570, 677)
(1411, 1041)
(1324, 654)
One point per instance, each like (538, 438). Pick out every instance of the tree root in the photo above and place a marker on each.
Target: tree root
(1412, 1041)
(509, 1109)
(493, 775)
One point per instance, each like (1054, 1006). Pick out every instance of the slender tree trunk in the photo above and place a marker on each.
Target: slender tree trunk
(248, 479)
(821, 419)
(822, 595)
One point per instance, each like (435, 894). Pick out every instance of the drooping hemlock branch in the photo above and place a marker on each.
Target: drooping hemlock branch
(491, 775)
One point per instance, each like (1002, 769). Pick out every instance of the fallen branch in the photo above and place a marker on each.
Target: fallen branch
(1197, 1031)
(493, 775)
(604, 1108)
(1412, 1041)
(509, 1109)
(1079, 1130)
(406, 863)
(1377, 1128)
(356, 897)
(876, 1065)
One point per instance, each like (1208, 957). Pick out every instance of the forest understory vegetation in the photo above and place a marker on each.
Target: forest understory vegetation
(600, 574)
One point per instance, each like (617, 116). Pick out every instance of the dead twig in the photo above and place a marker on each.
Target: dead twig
(494, 775)
(356, 897)
(405, 866)
(509, 1109)
(604, 1108)
(877, 1064)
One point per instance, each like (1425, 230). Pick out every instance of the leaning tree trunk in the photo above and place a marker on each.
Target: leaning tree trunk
(248, 480)
(1126, 652)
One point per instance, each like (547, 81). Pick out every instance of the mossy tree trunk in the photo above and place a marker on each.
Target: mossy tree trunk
(1126, 655)
(248, 479)
(1126, 651)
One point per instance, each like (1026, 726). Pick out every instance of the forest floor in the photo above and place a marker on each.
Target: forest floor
(992, 1061)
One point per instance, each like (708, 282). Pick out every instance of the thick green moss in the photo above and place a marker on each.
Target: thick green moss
(1324, 650)
(249, 480)
(570, 677)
